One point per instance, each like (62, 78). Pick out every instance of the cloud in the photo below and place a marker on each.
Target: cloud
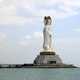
(57, 8)
(27, 37)
(38, 34)
(27, 40)
(76, 30)
(16, 20)
(19, 11)
(3, 38)
(68, 42)
(8, 14)
(7, 11)
(7, 8)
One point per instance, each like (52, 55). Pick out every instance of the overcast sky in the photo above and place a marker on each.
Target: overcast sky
(21, 26)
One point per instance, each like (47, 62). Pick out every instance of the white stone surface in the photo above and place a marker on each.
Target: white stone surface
(47, 35)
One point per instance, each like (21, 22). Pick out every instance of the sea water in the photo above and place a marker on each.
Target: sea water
(40, 74)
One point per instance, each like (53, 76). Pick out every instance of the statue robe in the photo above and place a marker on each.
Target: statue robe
(47, 37)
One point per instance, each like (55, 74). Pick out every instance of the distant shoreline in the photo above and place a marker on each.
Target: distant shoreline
(37, 66)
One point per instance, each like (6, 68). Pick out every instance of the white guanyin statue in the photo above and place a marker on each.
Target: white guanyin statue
(47, 44)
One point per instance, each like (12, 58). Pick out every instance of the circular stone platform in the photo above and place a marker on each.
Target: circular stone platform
(47, 58)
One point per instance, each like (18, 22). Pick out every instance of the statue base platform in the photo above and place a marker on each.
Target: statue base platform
(47, 53)
(47, 57)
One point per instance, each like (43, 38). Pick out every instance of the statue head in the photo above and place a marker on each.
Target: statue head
(47, 20)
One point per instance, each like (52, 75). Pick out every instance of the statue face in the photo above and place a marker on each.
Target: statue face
(47, 20)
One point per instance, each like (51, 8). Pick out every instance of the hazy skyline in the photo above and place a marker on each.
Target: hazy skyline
(21, 26)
